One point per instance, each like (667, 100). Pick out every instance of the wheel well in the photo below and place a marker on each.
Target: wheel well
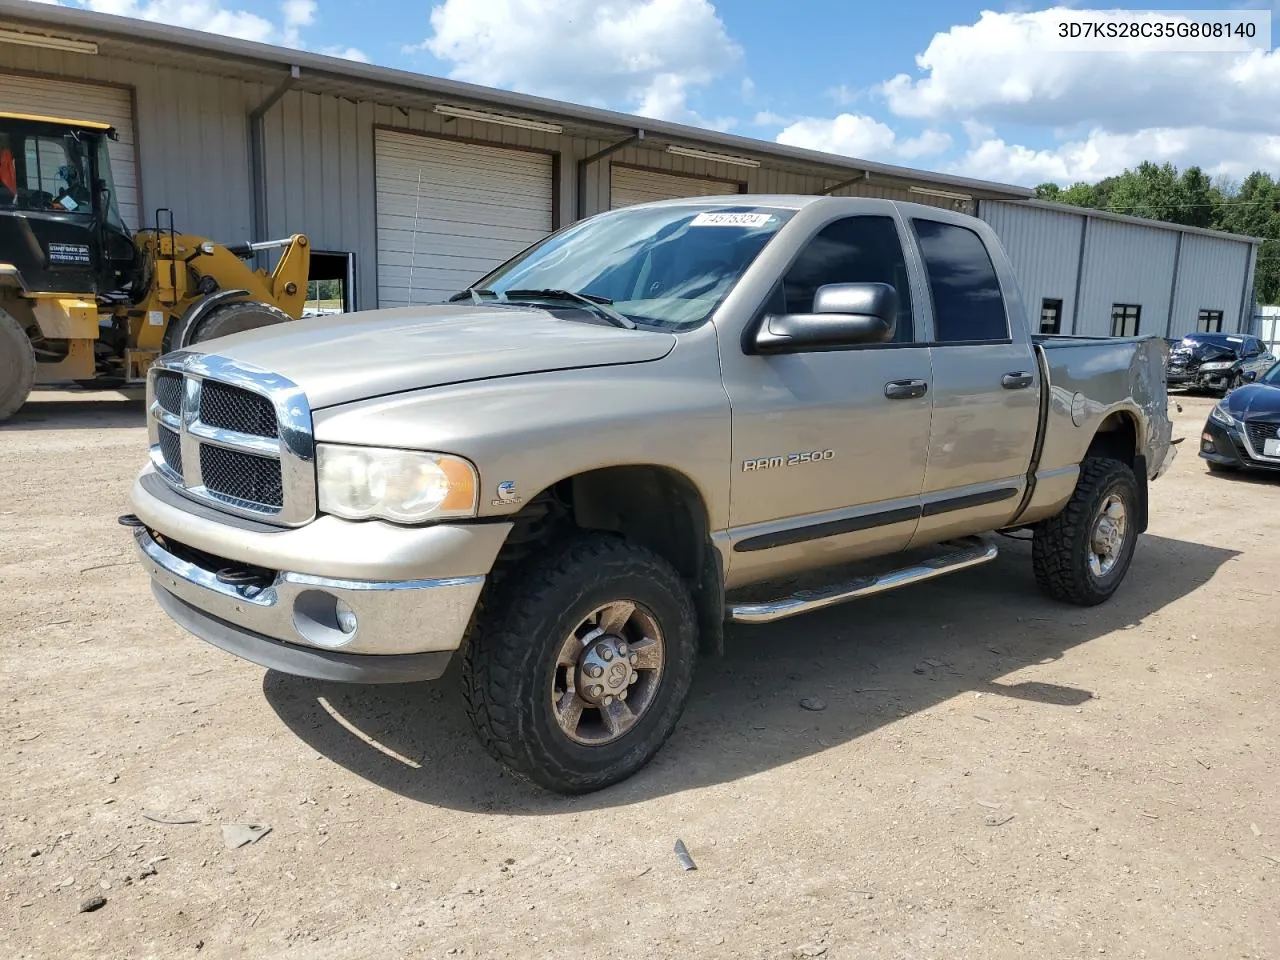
(652, 506)
(1116, 439)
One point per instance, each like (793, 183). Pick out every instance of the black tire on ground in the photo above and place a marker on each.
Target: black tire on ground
(236, 318)
(1062, 545)
(17, 366)
(510, 663)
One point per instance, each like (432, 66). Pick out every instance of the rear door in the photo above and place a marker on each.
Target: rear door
(986, 385)
(827, 459)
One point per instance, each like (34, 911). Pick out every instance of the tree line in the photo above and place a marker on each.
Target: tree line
(1159, 192)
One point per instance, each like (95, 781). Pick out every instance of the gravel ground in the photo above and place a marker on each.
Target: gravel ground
(993, 775)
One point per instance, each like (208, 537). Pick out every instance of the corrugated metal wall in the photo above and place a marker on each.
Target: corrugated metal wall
(1125, 263)
(1044, 246)
(1210, 277)
(191, 137)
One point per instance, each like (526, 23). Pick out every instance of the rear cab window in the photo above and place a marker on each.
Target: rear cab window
(968, 304)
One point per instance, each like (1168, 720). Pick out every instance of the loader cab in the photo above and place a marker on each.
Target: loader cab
(60, 223)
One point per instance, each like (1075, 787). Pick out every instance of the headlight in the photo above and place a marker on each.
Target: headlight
(399, 485)
(1219, 413)
(1217, 365)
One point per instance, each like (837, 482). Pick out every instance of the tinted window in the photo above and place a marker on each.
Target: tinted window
(1050, 316)
(1252, 348)
(854, 250)
(967, 303)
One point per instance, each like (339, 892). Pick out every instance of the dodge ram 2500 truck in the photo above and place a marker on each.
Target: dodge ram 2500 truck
(653, 422)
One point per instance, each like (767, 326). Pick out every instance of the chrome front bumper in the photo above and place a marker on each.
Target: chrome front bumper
(390, 617)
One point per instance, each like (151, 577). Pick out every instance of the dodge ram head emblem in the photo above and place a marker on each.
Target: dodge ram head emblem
(506, 493)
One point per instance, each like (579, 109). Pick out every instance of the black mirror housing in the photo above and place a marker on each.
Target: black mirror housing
(844, 315)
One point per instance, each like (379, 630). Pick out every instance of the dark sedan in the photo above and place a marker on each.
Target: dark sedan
(1217, 361)
(1243, 430)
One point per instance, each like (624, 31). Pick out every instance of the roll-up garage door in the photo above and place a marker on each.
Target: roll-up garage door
(627, 185)
(84, 101)
(449, 212)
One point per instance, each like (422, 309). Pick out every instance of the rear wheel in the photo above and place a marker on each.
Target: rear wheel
(581, 665)
(236, 318)
(1081, 555)
(17, 366)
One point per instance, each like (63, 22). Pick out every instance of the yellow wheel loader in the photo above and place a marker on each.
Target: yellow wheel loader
(81, 299)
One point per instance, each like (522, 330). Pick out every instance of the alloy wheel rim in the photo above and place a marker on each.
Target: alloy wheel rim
(607, 673)
(1106, 541)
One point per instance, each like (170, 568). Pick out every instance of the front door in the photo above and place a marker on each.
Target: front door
(986, 389)
(828, 461)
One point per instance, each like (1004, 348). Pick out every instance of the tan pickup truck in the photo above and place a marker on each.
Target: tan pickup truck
(650, 423)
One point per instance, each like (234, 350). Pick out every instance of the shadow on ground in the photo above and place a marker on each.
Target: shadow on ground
(107, 410)
(873, 661)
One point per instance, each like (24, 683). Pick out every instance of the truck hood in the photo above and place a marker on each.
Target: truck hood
(356, 356)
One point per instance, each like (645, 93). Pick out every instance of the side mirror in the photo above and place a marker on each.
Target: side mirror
(1250, 376)
(844, 315)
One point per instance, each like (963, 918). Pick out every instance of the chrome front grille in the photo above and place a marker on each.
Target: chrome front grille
(1260, 433)
(232, 436)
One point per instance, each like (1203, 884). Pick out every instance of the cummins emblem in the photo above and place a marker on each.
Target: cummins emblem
(790, 460)
(506, 493)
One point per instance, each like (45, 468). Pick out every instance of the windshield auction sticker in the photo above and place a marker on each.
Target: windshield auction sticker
(1180, 31)
(731, 220)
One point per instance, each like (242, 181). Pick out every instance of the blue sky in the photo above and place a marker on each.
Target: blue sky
(944, 85)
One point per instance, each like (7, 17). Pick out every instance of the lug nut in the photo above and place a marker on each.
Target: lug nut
(608, 701)
(635, 658)
(622, 695)
(596, 690)
(594, 671)
(622, 649)
(634, 678)
(606, 654)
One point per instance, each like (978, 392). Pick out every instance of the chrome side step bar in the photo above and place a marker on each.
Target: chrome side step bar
(965, 553)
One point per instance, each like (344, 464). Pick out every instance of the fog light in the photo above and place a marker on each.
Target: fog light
(1206, 443)
(346, 617)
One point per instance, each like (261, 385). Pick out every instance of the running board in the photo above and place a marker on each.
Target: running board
(965, 553)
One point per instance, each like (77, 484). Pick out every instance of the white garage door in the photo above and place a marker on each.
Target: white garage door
(628, 185)
(84, 101)
(449, 212)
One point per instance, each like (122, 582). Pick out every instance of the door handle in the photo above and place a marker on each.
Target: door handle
(905, 389)
(1016, 381)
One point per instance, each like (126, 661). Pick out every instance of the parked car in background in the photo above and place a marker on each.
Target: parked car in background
(1218, 362)
(1243, 430)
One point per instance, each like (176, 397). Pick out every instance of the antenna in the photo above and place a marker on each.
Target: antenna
(413, 246)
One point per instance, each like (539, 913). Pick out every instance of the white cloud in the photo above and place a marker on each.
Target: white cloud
(1006, 67)
(854, 135)
(346, 53)
(843, 95)
(767, 118)
(212, 17)
(641, 52)
(666, 99)
(297, 14)
(747, 89)
(1103, 154)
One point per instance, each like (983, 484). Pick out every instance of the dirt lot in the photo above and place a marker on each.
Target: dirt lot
(994, 775)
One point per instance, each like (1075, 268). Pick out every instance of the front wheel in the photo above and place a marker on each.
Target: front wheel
(1081, 555)
(236, 318)
(580, 667)
(17, 365)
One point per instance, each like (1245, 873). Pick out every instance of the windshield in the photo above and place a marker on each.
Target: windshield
(1271, 376)
(668, 266)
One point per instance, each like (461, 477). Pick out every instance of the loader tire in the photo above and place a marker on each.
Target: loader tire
(17, 366)
(236, 318)
(1081, 555)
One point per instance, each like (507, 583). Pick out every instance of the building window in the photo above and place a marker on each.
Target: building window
(1050, 316)
(1124, 319)
(330, 284)
(1209, 321)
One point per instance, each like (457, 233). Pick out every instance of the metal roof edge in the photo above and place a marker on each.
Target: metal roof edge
(1126, 218)
(144, 31)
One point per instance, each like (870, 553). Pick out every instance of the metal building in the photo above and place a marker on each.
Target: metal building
(410, 187)
(1093, 273)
